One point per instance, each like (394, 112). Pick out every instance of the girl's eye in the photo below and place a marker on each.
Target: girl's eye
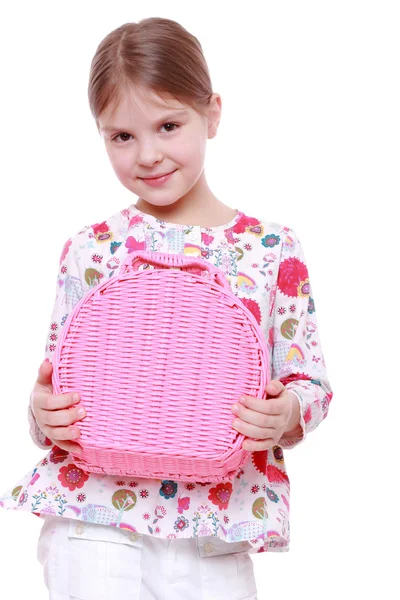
(173, 125)
(129, 135)
(121, 134)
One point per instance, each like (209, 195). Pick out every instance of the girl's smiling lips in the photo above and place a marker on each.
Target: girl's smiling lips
(157, 176)
(157, 181)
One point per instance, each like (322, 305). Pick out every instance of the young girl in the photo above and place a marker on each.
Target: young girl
(110, 537)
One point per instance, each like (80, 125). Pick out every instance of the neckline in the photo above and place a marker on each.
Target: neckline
(157, 222)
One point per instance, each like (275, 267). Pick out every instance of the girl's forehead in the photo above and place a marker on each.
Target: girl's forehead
(142, 104)
(130, 108)
(146, 99)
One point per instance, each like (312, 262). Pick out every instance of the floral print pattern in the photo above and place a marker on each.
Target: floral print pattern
(265, 266)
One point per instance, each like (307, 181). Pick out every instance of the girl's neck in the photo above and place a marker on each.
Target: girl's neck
(198, 207)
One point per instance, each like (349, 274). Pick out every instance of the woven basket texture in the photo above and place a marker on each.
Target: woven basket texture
(158, 354)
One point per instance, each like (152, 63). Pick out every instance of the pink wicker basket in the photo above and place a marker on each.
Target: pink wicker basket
(159, 353)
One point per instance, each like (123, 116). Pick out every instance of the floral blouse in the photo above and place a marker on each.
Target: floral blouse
(265, 266)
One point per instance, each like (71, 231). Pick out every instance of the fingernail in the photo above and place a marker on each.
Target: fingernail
(75, 398)
(235, 408)
(81, 412)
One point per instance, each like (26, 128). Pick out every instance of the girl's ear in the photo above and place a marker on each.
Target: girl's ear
(214, 115)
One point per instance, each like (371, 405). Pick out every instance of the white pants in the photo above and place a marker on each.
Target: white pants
(87, 561)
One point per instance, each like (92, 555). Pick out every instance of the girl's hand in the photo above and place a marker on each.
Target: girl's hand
(54, 414)
(266, 419)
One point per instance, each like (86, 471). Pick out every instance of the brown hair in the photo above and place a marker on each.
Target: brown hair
(158, 54)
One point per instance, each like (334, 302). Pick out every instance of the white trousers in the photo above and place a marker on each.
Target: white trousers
(88, 561)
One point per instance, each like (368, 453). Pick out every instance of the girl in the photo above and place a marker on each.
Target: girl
(108, 537)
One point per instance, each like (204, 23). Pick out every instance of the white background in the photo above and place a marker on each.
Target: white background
(309, 137)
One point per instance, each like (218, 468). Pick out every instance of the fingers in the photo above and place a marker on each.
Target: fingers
(269, 406)
(275, 387)
(59, 418)
(253, 431)
(264, 408)
(45, 400)
(57, 434)
(68, 446)
(254, 424)
(59, 424)
(45, 373)
(257, 446)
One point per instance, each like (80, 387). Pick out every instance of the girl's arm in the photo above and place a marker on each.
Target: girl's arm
(69, 290)
(297, 357)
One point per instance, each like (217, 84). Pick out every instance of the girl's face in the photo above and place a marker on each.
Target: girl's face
(146, 137)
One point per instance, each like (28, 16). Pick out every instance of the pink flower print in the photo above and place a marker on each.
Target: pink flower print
(57, 455)
(135, 221)
(72, 477)
(102, 232)
(293, 278)
(34, 478)
(247, 222)
(112, 263)
(221, 494)
(253, 307)
(160, 512)
(23, 498)
(180, 524)
(65, 250)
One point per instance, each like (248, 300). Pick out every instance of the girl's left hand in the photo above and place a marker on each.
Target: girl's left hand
(266, 419)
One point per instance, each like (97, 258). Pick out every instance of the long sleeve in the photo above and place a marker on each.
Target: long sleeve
(69, 290)
(297, 357)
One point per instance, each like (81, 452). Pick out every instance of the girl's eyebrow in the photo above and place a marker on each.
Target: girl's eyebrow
(169, 116)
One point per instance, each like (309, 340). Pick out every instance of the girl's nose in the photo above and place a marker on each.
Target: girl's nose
(149, 154)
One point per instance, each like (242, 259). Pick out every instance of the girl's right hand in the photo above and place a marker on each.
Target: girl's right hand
(55, 414)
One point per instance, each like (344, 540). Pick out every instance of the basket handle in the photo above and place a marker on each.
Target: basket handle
(173, 261)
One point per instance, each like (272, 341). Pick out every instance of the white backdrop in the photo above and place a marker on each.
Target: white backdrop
(309, 138)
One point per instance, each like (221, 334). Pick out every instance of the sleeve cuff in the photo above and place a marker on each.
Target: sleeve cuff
(291, 442)
(37, 435)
